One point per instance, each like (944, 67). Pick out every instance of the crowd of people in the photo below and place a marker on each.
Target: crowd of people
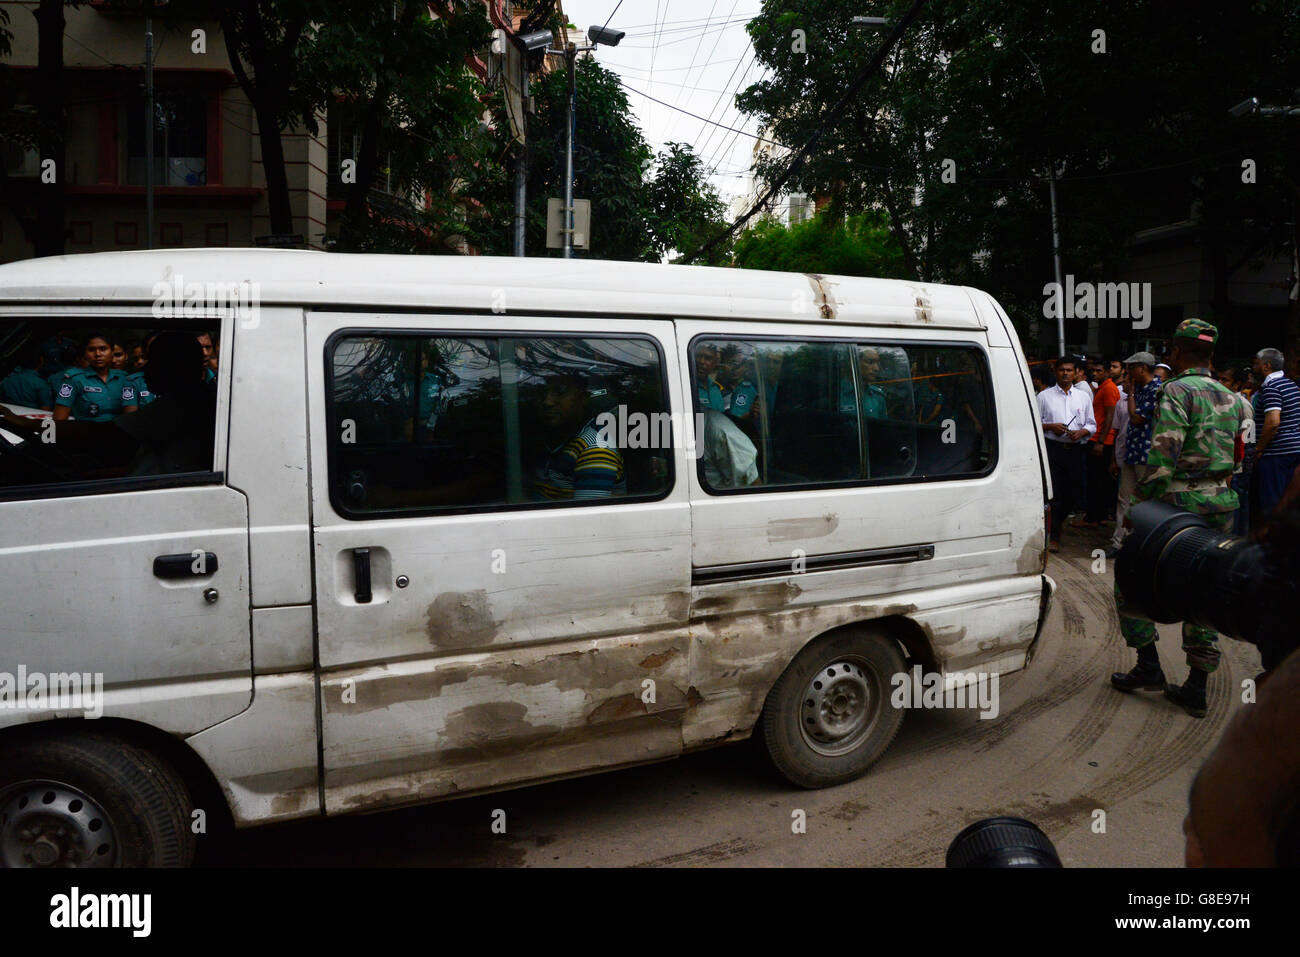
(1208, 439)
(1098, 415)
(95, 378)
(120, 407)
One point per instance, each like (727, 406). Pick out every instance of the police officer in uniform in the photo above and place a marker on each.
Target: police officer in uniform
(99, 393)
(1193, 454)
(25, 385)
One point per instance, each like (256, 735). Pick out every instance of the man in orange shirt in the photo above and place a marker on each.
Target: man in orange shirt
(1101, 450)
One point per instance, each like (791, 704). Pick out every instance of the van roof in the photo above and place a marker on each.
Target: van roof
(480, 283)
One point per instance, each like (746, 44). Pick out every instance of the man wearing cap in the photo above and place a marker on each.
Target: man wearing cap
(1195, 444)
(1139, 409)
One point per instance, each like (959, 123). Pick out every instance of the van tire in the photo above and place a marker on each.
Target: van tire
(824, 729)
(141, 804)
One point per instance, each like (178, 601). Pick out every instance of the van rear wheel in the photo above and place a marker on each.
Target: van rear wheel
(91, 800)
(828, 718)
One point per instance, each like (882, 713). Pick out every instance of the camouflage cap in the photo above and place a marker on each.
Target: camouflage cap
(1197, 329)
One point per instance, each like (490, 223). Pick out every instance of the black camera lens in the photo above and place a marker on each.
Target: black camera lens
(1002, 842)
(1174, 567)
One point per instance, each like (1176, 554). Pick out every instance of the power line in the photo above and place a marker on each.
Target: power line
(833, 113)
(694, 56)
(654, 51)
(673, 69)
(696, 116)
(612, 12)
(732, 93)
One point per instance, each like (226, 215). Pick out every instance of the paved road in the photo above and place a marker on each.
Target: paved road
(1064, 746)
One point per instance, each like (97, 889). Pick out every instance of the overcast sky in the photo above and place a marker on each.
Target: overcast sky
(692, 54)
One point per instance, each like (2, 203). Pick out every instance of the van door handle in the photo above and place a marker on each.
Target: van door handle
(361, 575)
(188, 565)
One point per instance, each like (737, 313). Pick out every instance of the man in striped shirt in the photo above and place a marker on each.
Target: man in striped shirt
(1277, 442)
(584, 464)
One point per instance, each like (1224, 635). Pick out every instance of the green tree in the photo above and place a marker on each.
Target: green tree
(402, 73)
(955, 138)
(403, 77)
(859, 245)
(684, 208)
(642, 205)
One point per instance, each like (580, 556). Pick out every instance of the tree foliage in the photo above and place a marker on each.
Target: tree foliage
(996, 94)
(858, 245)
(642, 206)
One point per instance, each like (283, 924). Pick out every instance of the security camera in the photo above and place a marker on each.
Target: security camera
(1245, 108)
(535, 40)
(604, 35)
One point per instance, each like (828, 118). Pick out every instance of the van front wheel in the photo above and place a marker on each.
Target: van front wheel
(89, 799)
(828, 718)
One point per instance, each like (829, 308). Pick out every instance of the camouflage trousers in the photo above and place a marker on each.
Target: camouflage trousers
(1199, 643)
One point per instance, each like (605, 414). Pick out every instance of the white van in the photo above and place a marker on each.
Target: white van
(439, 526)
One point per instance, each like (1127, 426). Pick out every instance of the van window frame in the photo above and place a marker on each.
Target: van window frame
(81, 488)
(991, 426)
(350, 514)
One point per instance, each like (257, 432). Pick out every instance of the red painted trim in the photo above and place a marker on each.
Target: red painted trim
(107, 130)
(215, 149)
(335, 205)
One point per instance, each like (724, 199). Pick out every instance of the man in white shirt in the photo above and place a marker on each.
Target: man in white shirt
(1081, 381)
(730, 458)
(1068, 422)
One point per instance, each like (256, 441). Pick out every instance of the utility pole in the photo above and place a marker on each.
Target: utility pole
(521, 160)
(1056, 259)
(148, 131)
(570, 60)
(597, 36)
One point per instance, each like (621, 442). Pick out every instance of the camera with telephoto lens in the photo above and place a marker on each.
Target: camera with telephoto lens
(1173, 566)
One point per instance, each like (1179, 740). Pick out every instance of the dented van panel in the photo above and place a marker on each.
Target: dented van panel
(341, 662)
(402, 732)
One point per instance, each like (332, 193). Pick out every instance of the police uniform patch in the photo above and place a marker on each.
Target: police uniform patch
(65, 390)
(128, 394)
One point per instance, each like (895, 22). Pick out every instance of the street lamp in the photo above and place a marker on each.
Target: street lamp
(869, 23)
(596, 35)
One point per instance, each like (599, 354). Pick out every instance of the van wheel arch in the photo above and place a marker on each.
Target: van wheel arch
(204, 790)
(873, 649)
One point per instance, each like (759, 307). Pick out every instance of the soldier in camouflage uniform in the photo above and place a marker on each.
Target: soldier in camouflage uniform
(1193, 454)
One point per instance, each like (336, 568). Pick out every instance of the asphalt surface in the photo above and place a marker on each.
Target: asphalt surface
(1064, 746)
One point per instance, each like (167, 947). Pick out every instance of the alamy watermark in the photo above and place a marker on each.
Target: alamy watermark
(194, 300)
(53, 691)
(656, 430)
(1106, 300)
(917, 689)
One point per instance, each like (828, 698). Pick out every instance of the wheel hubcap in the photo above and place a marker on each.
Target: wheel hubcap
(839, 707)
(48, 824)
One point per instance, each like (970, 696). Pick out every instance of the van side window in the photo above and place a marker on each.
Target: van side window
(455, 423)
(787, 414)
(83, 403)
